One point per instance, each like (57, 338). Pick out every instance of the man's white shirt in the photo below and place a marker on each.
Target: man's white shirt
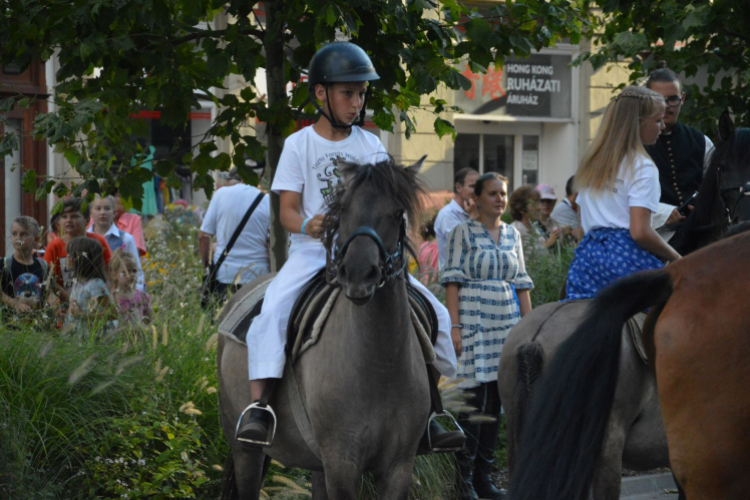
(449, 217)
(248, 258)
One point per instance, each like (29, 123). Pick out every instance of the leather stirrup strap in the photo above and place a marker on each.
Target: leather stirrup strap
(437, 403)
(267, 392)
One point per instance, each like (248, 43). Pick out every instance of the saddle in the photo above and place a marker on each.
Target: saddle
(310, 312)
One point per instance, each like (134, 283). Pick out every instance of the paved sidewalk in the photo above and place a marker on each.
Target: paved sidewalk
(651, 487)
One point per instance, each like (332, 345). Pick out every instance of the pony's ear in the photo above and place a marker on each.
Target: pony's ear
(726, 126)
(347, 169)
(414, 169)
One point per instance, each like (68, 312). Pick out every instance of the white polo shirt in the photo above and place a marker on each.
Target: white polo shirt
(449, 217)
(248, 258)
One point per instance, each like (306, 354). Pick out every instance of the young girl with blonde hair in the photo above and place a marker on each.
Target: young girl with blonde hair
(134, 305)
(618, 192)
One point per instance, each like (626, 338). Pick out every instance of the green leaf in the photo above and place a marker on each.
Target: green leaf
(443, 127)
(24, 103)
(7, 104)
(44, 189)
(331, 15)
(29, 181)
(73, 156)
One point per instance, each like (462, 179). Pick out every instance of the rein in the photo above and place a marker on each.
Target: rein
(388, 261)
(742, 189)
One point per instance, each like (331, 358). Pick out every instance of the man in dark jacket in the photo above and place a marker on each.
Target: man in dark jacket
(681, 153)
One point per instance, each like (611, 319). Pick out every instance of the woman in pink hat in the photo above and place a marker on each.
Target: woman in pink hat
(547, 200)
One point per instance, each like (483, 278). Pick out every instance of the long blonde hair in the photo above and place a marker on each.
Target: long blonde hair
(618, 138)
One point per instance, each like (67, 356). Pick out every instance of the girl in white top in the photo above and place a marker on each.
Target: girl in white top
(618, 193)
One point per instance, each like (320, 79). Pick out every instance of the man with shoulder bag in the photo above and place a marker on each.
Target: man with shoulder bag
(238, 216)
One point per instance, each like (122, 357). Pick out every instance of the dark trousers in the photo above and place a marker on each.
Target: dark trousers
(481, 438)
(219, 294)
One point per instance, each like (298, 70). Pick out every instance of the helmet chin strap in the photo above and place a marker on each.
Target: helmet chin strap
(332, 119)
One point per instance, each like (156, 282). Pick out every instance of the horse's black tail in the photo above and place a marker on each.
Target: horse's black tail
(562, 441)
(229, 490)
(530, 361)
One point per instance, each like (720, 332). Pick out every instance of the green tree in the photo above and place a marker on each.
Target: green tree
(707, 39)
(117, 57)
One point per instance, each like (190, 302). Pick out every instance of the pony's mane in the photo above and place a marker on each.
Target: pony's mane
(393, 181)
(707, 220)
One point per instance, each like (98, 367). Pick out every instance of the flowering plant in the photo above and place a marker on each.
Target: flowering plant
(153, 454)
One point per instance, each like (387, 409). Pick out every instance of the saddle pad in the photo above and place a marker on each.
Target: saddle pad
(242, 312)
(310, 313)
(635, 328)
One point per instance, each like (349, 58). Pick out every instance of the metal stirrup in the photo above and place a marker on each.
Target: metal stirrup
(272, 432)
(444, 413)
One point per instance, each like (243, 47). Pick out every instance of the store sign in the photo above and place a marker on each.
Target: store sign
(538, 86)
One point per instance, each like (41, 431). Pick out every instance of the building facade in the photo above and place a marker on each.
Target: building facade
(30, 155)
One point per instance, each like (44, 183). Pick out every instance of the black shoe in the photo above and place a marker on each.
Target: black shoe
(255, 429)
(484, 487)
(466, 491)
(464, 485)
(442, 441)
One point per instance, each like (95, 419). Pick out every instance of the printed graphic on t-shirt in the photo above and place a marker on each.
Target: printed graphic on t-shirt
(327, 172)
(28, 289)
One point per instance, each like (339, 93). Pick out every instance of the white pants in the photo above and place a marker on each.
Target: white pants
(266, 338)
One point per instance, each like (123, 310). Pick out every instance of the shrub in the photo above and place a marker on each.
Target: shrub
(152, 454)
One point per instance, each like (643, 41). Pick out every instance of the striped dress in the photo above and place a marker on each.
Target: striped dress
(488, 310)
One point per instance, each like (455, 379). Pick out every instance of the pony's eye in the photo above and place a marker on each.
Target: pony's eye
(398, 215)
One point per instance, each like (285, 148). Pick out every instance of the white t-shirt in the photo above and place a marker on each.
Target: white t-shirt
(249, 255)
(638, 187)
(449, 217)
(307, 166)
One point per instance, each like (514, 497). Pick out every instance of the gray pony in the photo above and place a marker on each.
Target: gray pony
(364, 384)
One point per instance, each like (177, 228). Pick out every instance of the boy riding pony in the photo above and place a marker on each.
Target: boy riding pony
(305, 178)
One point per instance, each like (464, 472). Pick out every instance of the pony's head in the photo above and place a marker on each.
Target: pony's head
(724, 196)
(365, 227)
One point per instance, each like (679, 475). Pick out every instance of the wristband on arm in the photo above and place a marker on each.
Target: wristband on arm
(304, 223)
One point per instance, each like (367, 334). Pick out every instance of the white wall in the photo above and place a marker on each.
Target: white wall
(12, 182)
(559, 155)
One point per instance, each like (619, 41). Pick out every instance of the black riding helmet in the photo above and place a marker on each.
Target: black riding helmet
(340, 62)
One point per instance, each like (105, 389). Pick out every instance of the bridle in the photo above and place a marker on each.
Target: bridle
(742, 189)
(389, 268)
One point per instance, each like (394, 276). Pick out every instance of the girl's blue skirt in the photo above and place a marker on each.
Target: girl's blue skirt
(605, 255)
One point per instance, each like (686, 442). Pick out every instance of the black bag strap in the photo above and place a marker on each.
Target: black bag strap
(239, 229)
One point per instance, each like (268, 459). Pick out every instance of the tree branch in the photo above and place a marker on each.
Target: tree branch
(215, 34)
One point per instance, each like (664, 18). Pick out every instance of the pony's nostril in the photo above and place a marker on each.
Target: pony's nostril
(373, 274)
(342, 272)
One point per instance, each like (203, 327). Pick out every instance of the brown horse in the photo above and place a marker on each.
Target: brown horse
(699, 341)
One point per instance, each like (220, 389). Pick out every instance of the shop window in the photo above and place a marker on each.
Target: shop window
(466, 152)
(498, 155)
(530, 160)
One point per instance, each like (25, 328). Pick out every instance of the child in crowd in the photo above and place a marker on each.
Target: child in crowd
(134, 304)
(22, 275)
(73, 224)
(91, 309)
(130, 223)
(103, 216)
(428, 253)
